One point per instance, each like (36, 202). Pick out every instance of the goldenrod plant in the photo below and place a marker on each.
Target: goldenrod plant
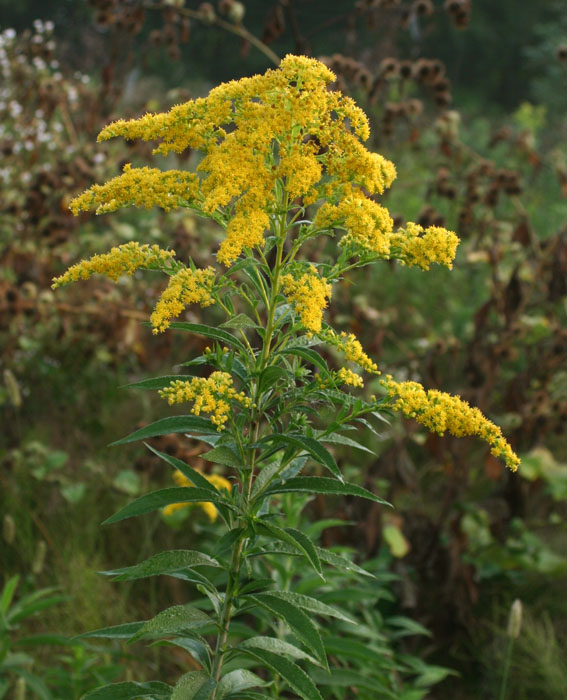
(283, 164)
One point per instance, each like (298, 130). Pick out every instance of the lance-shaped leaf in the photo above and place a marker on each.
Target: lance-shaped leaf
(293, 537)
(292, 674)
(240, 679)
(174, 620)
(196, 648)
(155, 383)
(309, 356)
(165, 426)
(296, 620)
(320, 484)
(312, 605)
(351, 679)
(159, 499)
(163, 563)
(130, 690)
(325, 555)
(190, 684)
(338, 439)
(239, 322)
(278, 646)
(223, 454)
(124, 631)
(209, 332)
(314, 448)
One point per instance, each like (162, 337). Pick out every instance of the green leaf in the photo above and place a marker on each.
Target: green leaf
(241, 679)
(296, 539)
(407, 627)
(269, 376)
(188, 685)
(223, 455)
(309, 356)
(294, 676)
(315, 449)
(178, 618)
(351, 679)
(194, 476)
(193, 646)
(247, 695)
(154, 383)
(159, 499)
(130, 690)
(209, 332)
(166, 426)
(205, 691)
(239, 322)
(342, 440)
(163, 563)
(319, 484)
(278, 646)
(312, 605)
(325, 555)
(124, 631)
(128, 481)
(8, 593)
(296, 620)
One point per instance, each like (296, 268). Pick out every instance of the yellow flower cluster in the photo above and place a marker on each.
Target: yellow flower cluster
(211, 395)
(421, 248)
(368, 224)
(440, 412)
(309, 296)
(348, 344)
(282, 127)
(140, 187)
(347, 376)
(122, 260)
(185, 287)
(218, 481)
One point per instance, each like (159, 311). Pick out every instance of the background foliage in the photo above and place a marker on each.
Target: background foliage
(480, 138)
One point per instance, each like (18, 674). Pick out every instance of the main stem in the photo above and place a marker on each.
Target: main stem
(236, 562)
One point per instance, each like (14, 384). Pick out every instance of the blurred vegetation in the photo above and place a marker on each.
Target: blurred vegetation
(469, 100)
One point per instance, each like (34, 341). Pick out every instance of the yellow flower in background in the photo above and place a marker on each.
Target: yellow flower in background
(122, 260)
(309, 294)
(441, 412)
(218, 481)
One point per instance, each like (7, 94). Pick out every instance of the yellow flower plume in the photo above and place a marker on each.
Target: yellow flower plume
(211, 395)
(309, 294)
(185, 287)
(441, 412)
(121, 260)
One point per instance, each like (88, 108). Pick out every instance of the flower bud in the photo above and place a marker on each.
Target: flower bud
(515, 619)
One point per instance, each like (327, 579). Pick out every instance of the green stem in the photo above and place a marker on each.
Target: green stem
(227, 610)
(504, 683)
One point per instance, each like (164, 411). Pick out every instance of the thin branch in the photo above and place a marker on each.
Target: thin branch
(237, 29)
